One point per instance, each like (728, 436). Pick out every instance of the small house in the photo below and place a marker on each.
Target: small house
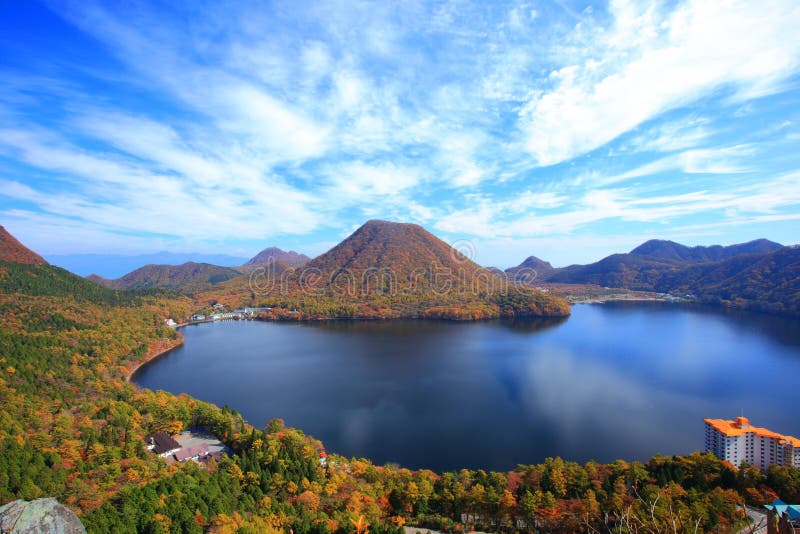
(162, 444)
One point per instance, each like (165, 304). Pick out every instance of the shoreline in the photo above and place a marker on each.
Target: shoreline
(132, 373)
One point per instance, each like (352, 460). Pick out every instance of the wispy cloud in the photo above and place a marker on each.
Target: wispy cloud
(653, 59)
(243, 123)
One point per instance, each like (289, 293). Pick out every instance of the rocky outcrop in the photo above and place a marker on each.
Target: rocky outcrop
(39, 516)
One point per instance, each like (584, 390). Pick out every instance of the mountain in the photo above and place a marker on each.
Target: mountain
(645, 266)
(388, 269)
(22, 271)
(669, 250)
(760, 275)
(401, 247)
(97, 279)
(290, 258)
(14, 251)
(188, 276)
(496, 271)
(530, 270)
(766, 282)
(116, 265)
(630, 271)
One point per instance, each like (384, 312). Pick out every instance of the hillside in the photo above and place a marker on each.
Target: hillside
(387, 269)
(111, 266)
(189, 276)
(13, 250)
(531, 270)
(669, 250)
(630, 271)
(759, 275)
(766, 282)
(290, 258)
(404, 249)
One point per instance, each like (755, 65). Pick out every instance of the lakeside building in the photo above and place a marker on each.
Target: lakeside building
(162, 444)
(738, 441)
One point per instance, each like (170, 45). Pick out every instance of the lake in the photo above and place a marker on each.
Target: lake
(615, 380)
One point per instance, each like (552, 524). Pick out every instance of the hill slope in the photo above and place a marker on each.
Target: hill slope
(630, 271)
(766, 282)
(760, 274)
(404, 249)
(290, 258)
(13, 250)
(669, 250)
(188, 276)
(531, 270)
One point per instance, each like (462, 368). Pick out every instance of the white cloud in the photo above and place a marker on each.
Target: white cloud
(122, 194)
(649, 62)
(500, 219)
(297, 120)
(273, 125)
(357, 182)
(672, 136)
(718, 160)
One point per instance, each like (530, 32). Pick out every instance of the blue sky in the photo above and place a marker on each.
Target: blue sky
(568, 130)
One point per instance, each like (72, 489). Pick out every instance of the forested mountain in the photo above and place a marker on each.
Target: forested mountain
(669, 250)
(387, 269)
(13, 250)
(404, 248)
(631, 271)
(189, 276)
(760, 275)
(111, 266)
(530, 270)
(290, 258)
(72, 427)
(766, 282)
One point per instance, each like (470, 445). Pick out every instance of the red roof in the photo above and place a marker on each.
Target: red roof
(188, 452)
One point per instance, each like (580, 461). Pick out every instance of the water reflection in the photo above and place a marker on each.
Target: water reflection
(611, 381)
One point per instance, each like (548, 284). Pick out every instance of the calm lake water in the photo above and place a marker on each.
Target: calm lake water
(612, 381)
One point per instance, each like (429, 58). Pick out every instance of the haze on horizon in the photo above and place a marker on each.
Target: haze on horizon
(568, 130)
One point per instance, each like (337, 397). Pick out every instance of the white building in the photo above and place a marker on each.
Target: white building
(738, 441)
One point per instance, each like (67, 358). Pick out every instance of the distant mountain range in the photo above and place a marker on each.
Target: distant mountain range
(290, 258)
(760, 274)
(383, 270)
(194, 276)
(187, 276)
(112, 266)
(669, 250)
(399, 270)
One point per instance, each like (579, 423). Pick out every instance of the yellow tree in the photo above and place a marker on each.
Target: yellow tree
(360, 525)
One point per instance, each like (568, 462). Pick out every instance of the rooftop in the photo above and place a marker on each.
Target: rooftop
(190, 452)
(741, 426)
(162, 442)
